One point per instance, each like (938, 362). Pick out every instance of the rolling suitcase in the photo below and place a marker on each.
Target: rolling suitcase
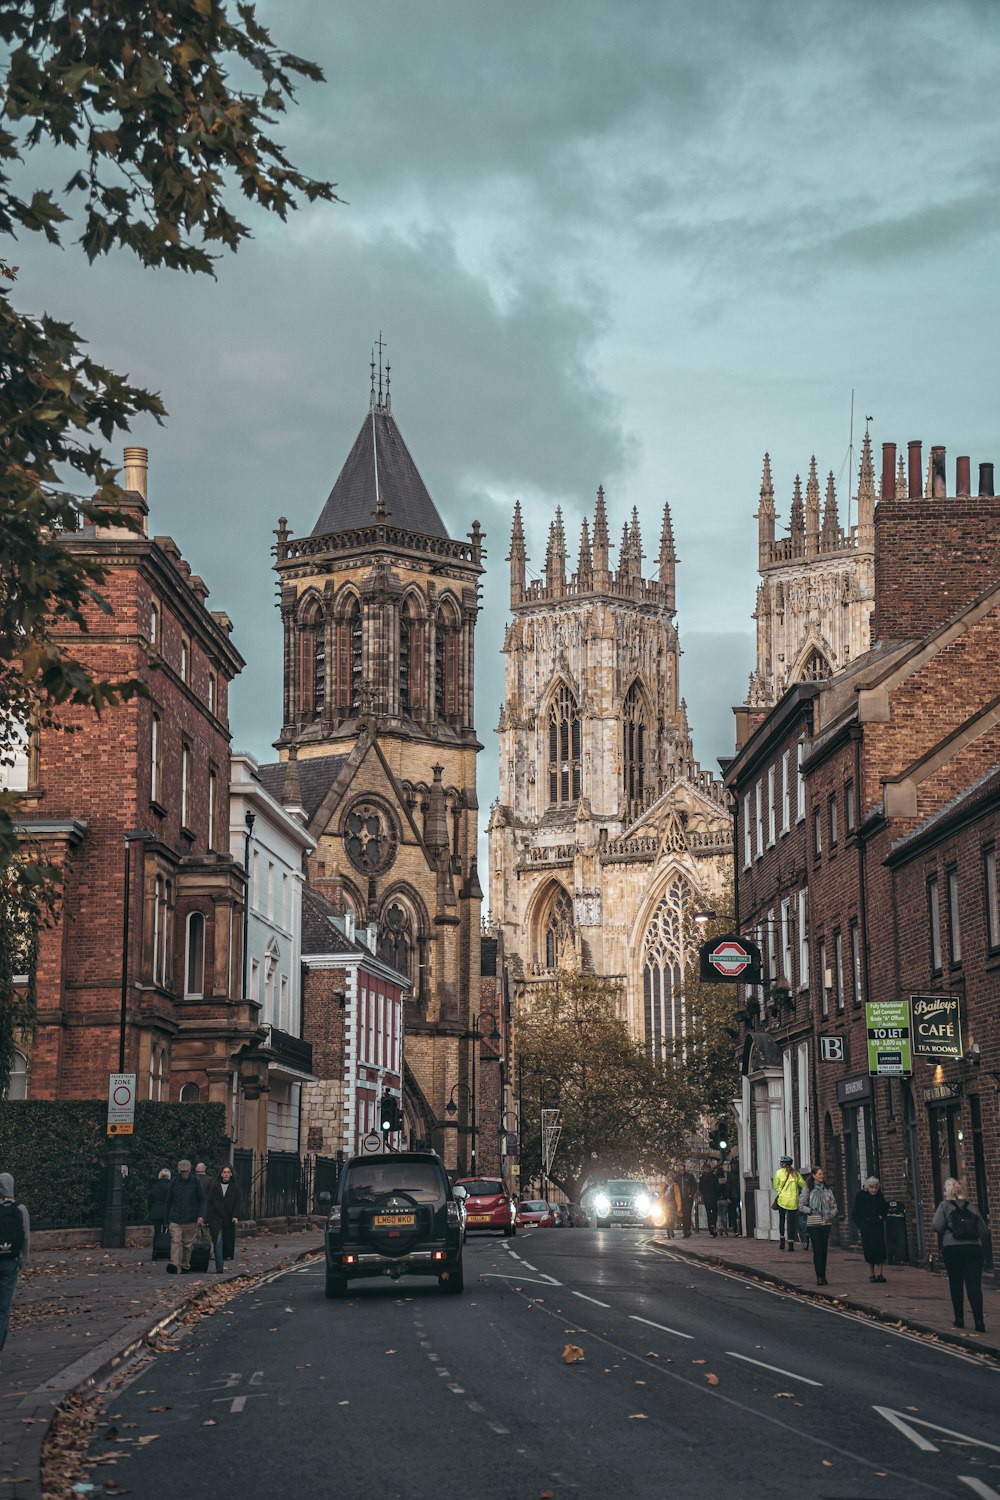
(161, 1242)
(200, 1252)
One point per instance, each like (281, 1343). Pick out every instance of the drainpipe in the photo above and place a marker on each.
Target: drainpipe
(856, 734)
(250, 821)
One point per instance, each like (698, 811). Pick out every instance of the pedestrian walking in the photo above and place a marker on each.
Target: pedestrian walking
(688, 1190)
(15, 1242)
(223, 1211)
(722, 1199)
(803, 1214)
(788, 1184)
(670, 1203)
(822, 1212)
(708, 1191)
(870, 1209)
(963, 1234)
(185, 1214)
(158, 1214)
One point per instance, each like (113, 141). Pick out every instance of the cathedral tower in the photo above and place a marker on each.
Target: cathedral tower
(606, 835)
(379, 608)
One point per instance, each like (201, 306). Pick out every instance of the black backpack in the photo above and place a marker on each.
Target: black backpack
(11, 1231)
(963, 1222)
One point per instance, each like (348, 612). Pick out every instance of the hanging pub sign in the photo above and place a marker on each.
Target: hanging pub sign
(730, 959)
(889, 1052)
(937, 1025)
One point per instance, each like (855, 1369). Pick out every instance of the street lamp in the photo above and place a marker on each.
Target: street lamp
(542, 1081)
(503, 1132)
(475, 1035)
(451, 1108)
(113, 1232)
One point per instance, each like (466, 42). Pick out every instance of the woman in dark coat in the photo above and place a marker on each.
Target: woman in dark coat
(870, 1209)
(222, 1212)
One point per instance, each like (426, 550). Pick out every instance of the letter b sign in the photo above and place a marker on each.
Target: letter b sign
(831, 1048)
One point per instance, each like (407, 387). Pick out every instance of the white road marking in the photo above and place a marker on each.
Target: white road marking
(906, 1426)
(978, 1487)
(776, 1368)
(239, 1402)
(459, 1390)
(503, 1431)
(594, 1300)
(442, 1371)
(529, 1267)
(475, 1406)
(515, 1276)
(256, 1377)
(661, 1326)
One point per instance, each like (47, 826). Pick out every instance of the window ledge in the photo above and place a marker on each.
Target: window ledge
(188, 833)
(157, 808)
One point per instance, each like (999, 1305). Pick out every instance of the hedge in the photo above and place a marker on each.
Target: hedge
(57, 1151)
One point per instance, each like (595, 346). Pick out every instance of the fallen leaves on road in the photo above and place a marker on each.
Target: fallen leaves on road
(572, 1354)
(826, 1463)
(783, 1396)
(150, 1437)
(712, 1379)
(638, 1416)
(210, 1422)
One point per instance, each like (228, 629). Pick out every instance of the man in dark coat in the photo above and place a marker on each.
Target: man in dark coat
(689, 1188)
(708, 1188)
(223, 1213)
(185, 1211)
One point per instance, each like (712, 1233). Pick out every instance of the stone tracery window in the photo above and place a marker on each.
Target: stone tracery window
(564, 748)
(557, 931)
(815, 668)
(312, 661)
(447, 641)
(412, 666)
(348, 660)
(663, 959)
(396, 938)
(635, 741)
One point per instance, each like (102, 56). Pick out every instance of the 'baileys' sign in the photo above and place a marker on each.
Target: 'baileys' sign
(937, 1025)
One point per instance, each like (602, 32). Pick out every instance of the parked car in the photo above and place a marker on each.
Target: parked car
(625, 1201)
(535, 1213)
(488, 1205)
(560, 1214)
(394, 1214)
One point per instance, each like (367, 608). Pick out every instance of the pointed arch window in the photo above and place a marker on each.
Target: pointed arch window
(447, 640)
(348, 663)
(815, 668)
(635, 743)
(557, 934)
(564, 748)
(412, 669)
(664, 954)
(312, 662)
(395, 938)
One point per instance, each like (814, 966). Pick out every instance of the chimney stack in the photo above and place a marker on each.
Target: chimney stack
(916, 474)
(962, 476)
(986, 479)
(939, 479)
(888, 471)
(136, 470)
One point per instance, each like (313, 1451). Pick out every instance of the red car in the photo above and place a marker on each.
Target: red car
(488, 1205)
(536, 1212)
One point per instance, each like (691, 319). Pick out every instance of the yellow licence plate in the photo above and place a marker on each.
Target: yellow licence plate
(478, 1218)
(395, 1221)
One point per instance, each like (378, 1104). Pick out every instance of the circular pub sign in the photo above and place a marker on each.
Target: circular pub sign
(731, 958)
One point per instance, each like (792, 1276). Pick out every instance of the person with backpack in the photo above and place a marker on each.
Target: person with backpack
(788, 1184)
(15, 1242)
(963, 1232)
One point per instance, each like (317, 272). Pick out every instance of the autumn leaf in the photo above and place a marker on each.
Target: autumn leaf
(638, 1416)
(712, 1379)
(572, 1354)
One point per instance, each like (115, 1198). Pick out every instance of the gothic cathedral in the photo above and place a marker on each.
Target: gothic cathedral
(607, 836)
(378, 740)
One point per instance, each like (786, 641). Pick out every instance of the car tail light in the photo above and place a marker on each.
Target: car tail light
(440, 1255)
(453, 1214)
(348, 1260)
(333, 1222)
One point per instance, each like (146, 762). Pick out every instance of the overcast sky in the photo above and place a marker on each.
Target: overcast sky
(606, 241)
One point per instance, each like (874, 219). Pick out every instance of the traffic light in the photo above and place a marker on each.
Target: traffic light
(388, 1114)
(719, 1138)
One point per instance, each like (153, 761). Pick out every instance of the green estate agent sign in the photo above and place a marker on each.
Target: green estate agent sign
(937, 1025)
(889, 1037)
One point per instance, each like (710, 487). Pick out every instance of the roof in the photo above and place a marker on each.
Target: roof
(379, 468)
(973, 800)
(320, 932)
(316, 776)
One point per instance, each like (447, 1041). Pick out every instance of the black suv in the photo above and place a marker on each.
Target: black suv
(394, 1215)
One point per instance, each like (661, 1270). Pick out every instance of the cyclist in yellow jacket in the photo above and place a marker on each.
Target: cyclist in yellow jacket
(788, 1184)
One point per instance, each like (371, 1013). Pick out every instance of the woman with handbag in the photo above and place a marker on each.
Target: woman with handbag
(223, 1214)
(788, 1184)
(870, 1210)
(822, 1212)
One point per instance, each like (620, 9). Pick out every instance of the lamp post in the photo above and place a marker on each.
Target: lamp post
(541, 1112)
(503, 1130)
(113, 1231)
(476, 1036)
(451, 1108)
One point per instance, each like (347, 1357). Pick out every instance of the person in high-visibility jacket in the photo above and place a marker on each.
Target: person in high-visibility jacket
(788, 1184)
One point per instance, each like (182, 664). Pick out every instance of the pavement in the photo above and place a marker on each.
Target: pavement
(79, 1313)
(911, 1296)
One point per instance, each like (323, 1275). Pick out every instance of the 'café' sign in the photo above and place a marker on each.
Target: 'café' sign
(937, 1025)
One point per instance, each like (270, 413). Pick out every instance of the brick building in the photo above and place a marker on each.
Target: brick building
(133, 808)
(899, 820)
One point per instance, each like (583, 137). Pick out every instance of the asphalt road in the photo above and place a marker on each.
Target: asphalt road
(693, 1383)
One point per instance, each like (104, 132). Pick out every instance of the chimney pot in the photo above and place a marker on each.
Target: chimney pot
(915, 478)
(986, 479)
(939, 479)
(136, 470)
(888, 471)
(963, 478)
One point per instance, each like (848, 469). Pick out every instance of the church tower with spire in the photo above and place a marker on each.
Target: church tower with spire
(378, 744)
(817, 583)
(607, 835)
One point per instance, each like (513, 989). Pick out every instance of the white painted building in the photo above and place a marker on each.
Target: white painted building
(269, 839)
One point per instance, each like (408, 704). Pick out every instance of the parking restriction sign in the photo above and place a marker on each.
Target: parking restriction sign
(121, 1104)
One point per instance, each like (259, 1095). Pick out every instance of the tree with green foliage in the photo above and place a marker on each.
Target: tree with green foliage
(622, 1113)
(135, 101)
(711, 1035)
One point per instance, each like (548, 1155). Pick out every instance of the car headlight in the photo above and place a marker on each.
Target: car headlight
(602, 1204)
(658, 1216)
(642, 1203)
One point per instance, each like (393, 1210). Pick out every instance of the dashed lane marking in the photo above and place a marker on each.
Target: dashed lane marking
(907, 1426)
(978, 1487)
(661, 1326)
(583, 1296)
(789, 1374)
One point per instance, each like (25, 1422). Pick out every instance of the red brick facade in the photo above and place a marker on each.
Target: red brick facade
(156, 766)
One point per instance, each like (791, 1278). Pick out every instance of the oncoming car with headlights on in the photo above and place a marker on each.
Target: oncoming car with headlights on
(625, 1201)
